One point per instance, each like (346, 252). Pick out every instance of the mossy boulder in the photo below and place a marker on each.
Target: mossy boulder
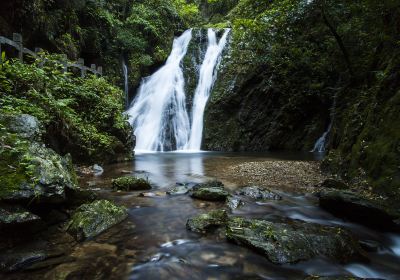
(130, 183)
(353, 206)
(43, 178)
(258, 193)
(91, 219)
(24, 125)
(293, 241)
(204, 222)
(212, 191)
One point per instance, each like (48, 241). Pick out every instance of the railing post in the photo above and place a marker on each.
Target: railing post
(81, 62)
(93, 68)
(100, 70)
(64, 62)
(17, 38)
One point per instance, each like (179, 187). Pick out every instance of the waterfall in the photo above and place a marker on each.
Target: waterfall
(158, 113)
(208, 74)
(319, 146)
(126, 85)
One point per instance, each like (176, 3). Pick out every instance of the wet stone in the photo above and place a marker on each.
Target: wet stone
(130, 183)
(350, 205)
(13, 215)
(212, 191)
(204, 222)
(293, 241)
(179, 190)
(234, 202)
(91, 219)
(258, 193)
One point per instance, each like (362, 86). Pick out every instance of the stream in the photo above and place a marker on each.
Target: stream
(163, 249)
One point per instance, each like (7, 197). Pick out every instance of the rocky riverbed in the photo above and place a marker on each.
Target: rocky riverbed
(208, 216)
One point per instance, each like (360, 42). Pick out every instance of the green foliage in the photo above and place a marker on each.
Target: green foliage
(82, 116)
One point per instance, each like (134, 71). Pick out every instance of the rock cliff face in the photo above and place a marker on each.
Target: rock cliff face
(288, 62)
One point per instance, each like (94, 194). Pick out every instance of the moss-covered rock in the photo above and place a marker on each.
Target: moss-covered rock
(204, 222)
(293, 241)
(130, 183)
(353, 206)
(24, 125)
(212, 191)
(91, 219)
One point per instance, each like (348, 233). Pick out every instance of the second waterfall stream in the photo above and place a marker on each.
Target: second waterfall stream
(159, 113)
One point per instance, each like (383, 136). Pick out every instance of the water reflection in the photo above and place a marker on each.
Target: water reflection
(165, 169)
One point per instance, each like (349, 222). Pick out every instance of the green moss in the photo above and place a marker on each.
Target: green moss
(91, 219)
(130, 184)
(83, 117)
(204, 222)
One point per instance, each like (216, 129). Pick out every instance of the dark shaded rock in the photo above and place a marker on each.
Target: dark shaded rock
(293, 241)
(91, 219)
(21, 258)
(258, 193)
(13, 217)
(345, 277)
(204, 222)
(78, 196)
(212, 191)
(350, 205)
(333, 184)
(130, 183)
(26, 126)
(234, 202)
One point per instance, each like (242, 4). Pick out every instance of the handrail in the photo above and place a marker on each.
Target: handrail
(17, 44)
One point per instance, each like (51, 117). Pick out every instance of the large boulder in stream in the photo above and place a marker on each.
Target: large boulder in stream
(204, 222)
(353, 206)
(293, 241)
(130, 183)
(91, 219)
(212, 191)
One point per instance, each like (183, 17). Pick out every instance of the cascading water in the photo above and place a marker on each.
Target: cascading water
(208, 75)
(159, 110)
(126, 86)
(319, 146)
(158, 113)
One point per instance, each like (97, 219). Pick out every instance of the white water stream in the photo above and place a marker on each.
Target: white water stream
(126, 85)
(158, 113)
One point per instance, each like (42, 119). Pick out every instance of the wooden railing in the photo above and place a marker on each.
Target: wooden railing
(16, 42)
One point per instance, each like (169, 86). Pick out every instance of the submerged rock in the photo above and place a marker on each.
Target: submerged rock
(293, 241)
(179, 190)
(212, 191)
(130, 183)
(91, 219)
(258, 193)
(204, 222)
(350, 205)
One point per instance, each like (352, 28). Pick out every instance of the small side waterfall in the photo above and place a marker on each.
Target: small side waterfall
(208, 75)
(126, 85)
(158, 113)
(159, 110)
(320, 145)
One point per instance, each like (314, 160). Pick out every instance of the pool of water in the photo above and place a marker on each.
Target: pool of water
(166, 250)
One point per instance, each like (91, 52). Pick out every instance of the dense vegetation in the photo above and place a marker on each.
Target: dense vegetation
(291, 61)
